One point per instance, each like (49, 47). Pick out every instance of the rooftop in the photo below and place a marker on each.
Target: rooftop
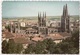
(22, 40)
(7, 34)
(59, 36)
(37, 39)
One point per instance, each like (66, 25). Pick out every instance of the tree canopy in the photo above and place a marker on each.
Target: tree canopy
(11, 47)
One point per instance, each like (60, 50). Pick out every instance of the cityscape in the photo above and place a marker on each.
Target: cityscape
(41, 34)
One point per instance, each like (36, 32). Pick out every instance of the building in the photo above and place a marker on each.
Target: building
(65, 20)
(42, 28)
(31, 32)
(74, 25)
(23, 24)
(14, 27)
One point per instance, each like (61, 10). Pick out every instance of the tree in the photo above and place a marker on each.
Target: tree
(30, 49)
(4, 46)
(11, 46)
(70, 45)
(75, 38)
(18, 48)
(40, 47)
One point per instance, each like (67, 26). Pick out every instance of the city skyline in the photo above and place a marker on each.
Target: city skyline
(24, 9)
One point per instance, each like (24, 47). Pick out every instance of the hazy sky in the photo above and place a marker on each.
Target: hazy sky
(23, 9)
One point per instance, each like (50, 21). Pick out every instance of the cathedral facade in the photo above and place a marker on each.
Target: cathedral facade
(42, 28)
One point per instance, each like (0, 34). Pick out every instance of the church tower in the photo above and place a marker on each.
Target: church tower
(42, 29)
(17, 27)
(14, 27)
(11, 27)
(65, 20)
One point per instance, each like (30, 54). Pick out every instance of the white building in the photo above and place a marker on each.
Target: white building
(23, 24)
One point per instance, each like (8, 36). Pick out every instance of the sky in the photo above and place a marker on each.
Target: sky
(24, 9)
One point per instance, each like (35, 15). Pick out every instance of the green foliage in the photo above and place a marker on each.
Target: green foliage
(75, 38)
(18, 48)
(4, 46)
(11, 47)
(43, 47)
(71, 45)
(30, 49)
(40, 47)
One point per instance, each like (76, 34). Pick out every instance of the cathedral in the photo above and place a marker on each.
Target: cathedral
(42, 28)
(65, 20)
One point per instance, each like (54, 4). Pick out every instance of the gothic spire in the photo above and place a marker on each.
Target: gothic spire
(66, 10)
(38, 15)
(45, 14)
(63, 10)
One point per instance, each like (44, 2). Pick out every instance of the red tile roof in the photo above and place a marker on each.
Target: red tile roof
(58, 36)
(7, 35)
(37, 39)
(22, 40)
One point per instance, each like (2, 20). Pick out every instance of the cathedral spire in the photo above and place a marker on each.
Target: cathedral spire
(38, 15)
(45, 14)
(63, 10)
(66, 10)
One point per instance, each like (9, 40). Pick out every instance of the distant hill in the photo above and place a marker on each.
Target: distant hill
(48, 17)
(75, 16)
